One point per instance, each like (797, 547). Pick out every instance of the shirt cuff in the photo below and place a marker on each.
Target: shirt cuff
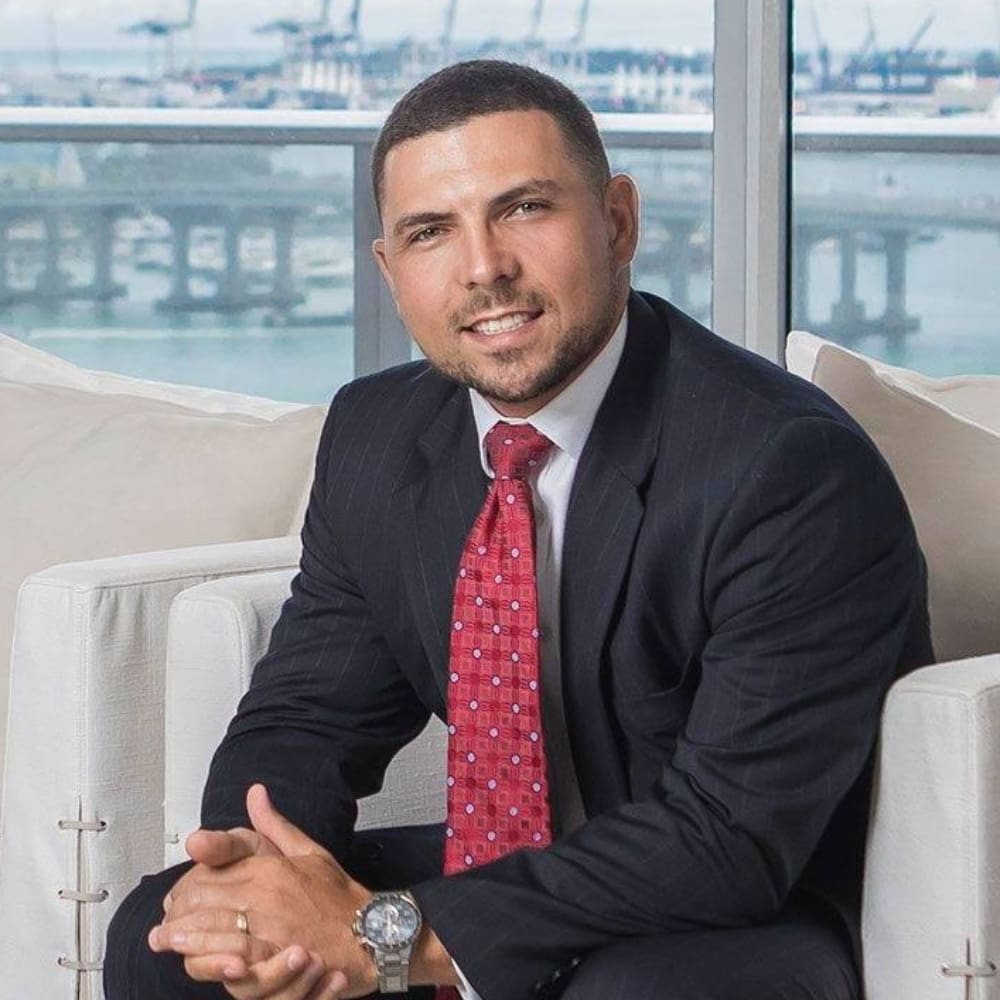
(465, 990)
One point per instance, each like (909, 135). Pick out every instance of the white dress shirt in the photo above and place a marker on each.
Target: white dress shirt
(566, 421)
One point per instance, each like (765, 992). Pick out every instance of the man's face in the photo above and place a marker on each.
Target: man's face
(509, 270)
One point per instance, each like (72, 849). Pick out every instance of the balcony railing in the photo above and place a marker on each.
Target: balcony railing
(635, 131)
(673, 212)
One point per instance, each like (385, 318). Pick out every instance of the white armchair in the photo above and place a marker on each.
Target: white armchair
(113, 749)
(83, 791)
(94, 466)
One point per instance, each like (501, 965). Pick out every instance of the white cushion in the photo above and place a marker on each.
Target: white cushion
(802, 352)
(801, 349)
(217, 633)
(85, 475)
(86, 743)
(942, 439)
(975, 397)
(19, 362)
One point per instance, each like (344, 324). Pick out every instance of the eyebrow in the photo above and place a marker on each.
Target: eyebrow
(415, 219)
(535, 186)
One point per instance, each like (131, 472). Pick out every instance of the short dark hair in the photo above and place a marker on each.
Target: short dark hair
(467, 90)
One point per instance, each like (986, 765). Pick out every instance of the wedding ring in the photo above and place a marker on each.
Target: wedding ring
(242, 922)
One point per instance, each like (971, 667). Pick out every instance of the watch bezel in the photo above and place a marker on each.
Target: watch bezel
(378, 899)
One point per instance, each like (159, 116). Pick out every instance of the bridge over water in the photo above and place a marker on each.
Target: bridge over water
(41, 222)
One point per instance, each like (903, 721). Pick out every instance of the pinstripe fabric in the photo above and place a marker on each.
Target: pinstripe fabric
(741, 584)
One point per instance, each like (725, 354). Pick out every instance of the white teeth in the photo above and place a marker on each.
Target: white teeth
(503, 324)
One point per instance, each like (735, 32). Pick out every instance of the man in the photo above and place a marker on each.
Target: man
(661, 720)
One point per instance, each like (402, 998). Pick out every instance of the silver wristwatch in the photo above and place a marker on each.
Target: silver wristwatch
(388, 926)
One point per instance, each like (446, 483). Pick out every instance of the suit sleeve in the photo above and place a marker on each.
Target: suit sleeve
(327, 707)
(810, 583)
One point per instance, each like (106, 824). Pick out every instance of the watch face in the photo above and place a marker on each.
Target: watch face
(391, 923)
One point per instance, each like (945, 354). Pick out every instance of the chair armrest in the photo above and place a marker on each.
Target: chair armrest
(217, 633)
(85, 746)
(932, 878)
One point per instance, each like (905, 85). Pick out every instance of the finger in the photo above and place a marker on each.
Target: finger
(329, 987)
(290, 975)
(215, 968)
(216, 849)
(205, 888)
(220, 920)
(204, 896)
(197, 895)
(309, 981)
(222, 847)
(194, 943)
(284, 834)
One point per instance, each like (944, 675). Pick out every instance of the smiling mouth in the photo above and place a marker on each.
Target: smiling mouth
(503, 324)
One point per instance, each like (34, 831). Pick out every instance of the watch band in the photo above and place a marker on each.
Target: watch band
(393, 970)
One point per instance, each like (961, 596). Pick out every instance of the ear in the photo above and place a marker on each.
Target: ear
(621, 208)
(378, 251)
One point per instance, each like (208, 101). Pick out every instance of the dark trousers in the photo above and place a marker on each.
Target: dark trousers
(803, 955)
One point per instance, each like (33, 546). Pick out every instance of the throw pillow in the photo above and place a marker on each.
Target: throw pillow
(942, 439)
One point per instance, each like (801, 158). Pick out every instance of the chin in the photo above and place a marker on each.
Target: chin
(516, 394)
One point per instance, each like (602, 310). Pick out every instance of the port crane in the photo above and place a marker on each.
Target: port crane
(822, 49)
(855, 64)
(162, 29)
(581, 25)
(892, 66)
(348, 35)
(448, 31)
(292, 29)
(332, 57)
(903, 57)
(576, 55)
(296, 26)
(534, 38)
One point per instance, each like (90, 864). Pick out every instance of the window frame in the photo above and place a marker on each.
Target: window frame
(751, 169)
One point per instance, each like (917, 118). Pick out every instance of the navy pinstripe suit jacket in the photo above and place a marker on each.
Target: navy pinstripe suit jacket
(741, 585)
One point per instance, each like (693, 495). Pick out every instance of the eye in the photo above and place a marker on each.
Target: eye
(426, 234)
(527, 207)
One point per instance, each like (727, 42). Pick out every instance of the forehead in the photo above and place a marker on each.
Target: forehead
(480, 157)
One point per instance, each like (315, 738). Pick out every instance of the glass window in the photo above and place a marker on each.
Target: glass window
(896, 233)
(216, 265)
(246, 266)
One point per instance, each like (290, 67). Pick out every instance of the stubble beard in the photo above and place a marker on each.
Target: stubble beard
(512, 379)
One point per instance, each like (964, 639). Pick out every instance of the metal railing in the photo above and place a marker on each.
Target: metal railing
(633, 131)
(380, 339)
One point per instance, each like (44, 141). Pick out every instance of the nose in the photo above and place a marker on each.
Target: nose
(486, 258)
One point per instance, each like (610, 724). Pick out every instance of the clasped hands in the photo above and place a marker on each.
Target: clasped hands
(294, 939)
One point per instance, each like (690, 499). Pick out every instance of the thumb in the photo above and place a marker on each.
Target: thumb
(218, 848)
(268, 822)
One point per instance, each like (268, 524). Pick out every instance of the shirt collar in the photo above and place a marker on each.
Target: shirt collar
(565, 420)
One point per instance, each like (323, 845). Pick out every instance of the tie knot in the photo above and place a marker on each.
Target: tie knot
(514, 449)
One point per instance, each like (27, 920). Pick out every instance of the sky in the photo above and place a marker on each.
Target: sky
(667, 24)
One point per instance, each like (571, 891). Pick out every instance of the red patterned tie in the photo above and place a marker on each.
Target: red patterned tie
(497, 788)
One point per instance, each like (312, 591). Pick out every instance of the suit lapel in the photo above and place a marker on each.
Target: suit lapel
(437, 500)
(605, 511)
